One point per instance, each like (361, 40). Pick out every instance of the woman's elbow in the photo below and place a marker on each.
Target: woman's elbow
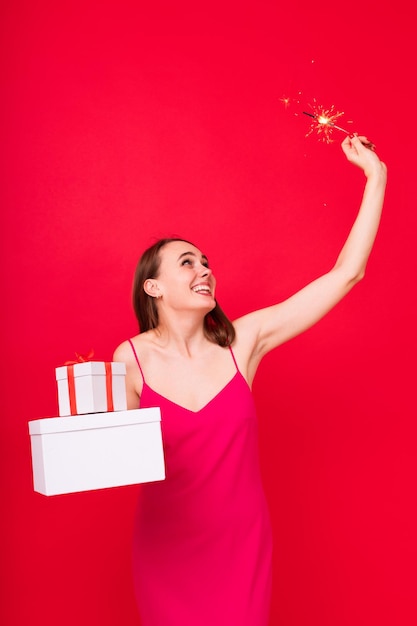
(356, 278)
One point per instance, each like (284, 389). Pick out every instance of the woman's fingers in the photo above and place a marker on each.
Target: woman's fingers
(364, 141)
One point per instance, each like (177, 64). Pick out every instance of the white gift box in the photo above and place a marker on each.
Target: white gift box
(82, 453)
(91, 388)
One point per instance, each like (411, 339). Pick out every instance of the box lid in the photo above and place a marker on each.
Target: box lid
(88, 368)
(94, 420)
(91, 368)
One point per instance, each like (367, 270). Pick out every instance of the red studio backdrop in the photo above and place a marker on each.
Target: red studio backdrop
(126, 121)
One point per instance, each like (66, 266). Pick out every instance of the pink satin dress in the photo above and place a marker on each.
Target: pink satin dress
(202, 538)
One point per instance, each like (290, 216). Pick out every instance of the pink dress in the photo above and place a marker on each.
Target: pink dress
(202, 541)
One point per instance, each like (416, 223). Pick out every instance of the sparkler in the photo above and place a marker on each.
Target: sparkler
(324, 122)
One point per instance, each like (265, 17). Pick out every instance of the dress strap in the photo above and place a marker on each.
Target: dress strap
(136, 357)
(233, 357)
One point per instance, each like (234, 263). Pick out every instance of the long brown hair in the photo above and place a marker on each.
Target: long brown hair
(217, 327)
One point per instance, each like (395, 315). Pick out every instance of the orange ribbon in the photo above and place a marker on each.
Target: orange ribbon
(71, 390)
(81, 358)
(109, 388)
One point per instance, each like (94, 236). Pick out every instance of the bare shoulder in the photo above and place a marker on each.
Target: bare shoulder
(143, 344)
(124, 353)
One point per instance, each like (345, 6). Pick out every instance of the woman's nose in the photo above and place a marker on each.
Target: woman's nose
(205, 271)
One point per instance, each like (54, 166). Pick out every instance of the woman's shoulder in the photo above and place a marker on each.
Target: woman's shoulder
(126, 353)
(126, 350)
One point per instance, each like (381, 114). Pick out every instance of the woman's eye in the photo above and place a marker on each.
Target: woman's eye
(192, 261)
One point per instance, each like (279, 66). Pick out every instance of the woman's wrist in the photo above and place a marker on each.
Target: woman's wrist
(377, 175)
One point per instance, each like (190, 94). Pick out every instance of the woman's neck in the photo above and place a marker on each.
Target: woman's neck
(185, 335)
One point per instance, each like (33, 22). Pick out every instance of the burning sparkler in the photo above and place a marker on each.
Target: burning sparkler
(325, 122)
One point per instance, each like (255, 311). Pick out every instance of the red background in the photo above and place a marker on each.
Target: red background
(123, 123)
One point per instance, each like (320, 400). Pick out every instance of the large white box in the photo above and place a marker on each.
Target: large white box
(91, 387)
(95, 451)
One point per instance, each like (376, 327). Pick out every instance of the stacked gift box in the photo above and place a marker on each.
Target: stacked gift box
(96, 442)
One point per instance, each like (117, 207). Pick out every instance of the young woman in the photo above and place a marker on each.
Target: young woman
(202, 547)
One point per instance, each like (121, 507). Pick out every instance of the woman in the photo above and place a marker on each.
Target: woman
(202, 553)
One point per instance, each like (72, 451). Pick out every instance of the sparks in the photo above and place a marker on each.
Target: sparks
(286, 101)
(324, 122)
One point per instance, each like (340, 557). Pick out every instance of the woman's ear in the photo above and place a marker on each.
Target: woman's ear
(150, 287)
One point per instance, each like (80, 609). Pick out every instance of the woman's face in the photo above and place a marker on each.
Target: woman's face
(184, 278)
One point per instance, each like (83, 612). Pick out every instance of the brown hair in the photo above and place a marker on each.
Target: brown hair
(217, 327)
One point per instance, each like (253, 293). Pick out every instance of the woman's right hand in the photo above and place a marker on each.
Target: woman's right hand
(361, 152)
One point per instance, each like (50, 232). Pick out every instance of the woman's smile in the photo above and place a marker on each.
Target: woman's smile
(202, 289)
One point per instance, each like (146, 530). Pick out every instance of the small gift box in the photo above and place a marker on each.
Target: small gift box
(96, 451)
(91, 387)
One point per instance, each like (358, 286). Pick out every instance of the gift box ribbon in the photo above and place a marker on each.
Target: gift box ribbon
(81, 358)
(71, 389)
(109, 387)
(71, 382)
